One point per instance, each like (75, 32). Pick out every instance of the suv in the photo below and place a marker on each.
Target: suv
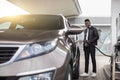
(37, 47)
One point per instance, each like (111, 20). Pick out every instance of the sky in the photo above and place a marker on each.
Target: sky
(99, 8)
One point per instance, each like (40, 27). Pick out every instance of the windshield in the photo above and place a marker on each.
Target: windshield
(34, 22)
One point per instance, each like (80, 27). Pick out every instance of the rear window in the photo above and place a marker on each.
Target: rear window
(35, 22)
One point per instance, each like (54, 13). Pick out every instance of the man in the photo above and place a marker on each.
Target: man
(90, 41)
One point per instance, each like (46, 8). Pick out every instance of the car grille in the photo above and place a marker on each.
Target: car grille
(6, 53)
(8, 78)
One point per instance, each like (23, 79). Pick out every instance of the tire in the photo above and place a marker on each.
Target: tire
(76, 72)
(69, 75)
(76, 66)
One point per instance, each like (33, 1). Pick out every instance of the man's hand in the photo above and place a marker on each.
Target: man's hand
(86, 41)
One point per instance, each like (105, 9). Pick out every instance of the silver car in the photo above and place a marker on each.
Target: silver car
(37, 47)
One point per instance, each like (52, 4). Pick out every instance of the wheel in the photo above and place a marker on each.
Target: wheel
(76, 65)
(69, 74)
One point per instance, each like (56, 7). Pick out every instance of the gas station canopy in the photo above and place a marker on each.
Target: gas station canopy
(65, 7)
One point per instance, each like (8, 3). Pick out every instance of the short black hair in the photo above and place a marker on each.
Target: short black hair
(87, 20)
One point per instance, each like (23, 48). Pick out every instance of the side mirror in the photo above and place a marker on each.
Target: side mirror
(75, 30)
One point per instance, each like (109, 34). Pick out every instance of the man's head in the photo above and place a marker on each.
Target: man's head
(87, 22)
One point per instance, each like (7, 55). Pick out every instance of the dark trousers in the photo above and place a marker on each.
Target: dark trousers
(90, 50)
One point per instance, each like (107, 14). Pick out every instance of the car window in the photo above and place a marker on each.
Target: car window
(5, 25)
(19, 27)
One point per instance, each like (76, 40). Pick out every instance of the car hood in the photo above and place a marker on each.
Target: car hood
(27, 36)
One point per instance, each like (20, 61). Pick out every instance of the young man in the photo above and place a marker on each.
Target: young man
(90, 41)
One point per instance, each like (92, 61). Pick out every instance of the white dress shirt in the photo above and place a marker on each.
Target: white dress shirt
(87, 34)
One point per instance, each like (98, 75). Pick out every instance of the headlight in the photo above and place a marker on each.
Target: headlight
(43, 76)
(37, 49)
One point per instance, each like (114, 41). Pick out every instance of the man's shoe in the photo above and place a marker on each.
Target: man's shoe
(94, 75)
(84, 75)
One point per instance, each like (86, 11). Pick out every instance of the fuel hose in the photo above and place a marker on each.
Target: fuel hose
(97, 49)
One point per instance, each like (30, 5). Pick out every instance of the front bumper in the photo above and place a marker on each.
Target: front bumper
(54, 61)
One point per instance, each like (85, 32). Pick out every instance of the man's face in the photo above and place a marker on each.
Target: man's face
(87, 23)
